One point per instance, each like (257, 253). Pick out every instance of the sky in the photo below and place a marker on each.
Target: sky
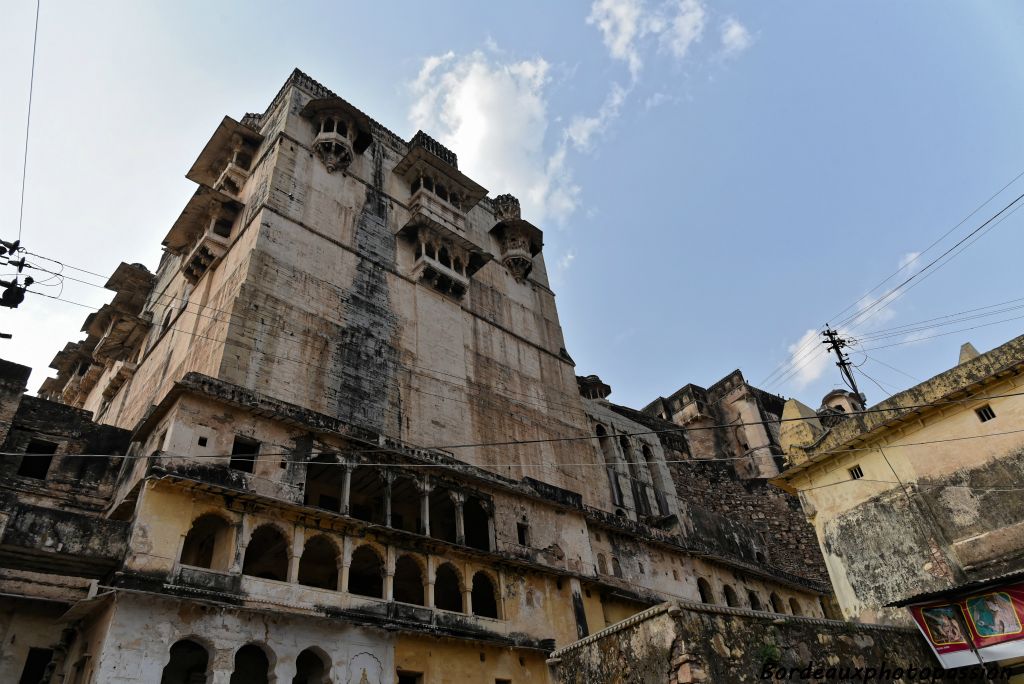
(716, 181)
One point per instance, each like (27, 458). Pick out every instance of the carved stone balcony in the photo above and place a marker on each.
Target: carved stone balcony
(225, 161)
(342, 131)
(118, 379)
(444, 279)
(204, 256)
(426, 207)
(202, 233)
(520, 240)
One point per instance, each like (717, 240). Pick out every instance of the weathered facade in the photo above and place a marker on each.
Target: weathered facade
(353, 447)
(917, 496)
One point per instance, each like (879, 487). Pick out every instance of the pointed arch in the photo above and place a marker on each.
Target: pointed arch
(366, 573)
(266, 554)
(208, 543)
(485, 596)
(252, 665)
(189, 663)
(448, 588)
(408, 581)
(318, 566)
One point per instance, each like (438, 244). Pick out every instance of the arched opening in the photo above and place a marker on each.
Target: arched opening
(208, 543)
(447, 590)
(408, 581)
(318, 566)
(755, 602)
(616, 567)
(704, 587)
(485, 596)
(367, 495)
(794, 607)
(310, 668)
(637, 484)
(324, 482)
(366, 574)
(443, 257)
(602, 564)
(610, 459)
(266, 555)
(442, 515)
(731, 599)
(653, 467)
(405, 505)
(252, 666)
(476, 524)
(188, 664)
(777, 605)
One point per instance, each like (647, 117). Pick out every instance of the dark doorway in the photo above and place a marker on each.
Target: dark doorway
(188, 664)
(35, 665)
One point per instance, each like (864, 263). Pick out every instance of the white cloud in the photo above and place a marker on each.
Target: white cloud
(629, 26)
(620, 24)
(808, 358)
(910, 259)
(735, 37)
(565, 262)
(686, 27)
(582, 129)
(494, 115)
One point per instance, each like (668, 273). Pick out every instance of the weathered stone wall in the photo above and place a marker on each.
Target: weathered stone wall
(683, 643)
(789, 542)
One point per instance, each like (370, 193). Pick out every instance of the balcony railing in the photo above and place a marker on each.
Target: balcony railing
(425, 205)
(207, 252)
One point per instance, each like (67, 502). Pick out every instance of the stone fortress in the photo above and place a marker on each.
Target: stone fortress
(337, 437)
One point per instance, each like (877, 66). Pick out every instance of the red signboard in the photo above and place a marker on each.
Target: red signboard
(994, 620)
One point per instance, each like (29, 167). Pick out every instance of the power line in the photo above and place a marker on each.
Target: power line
(28, 120)
(810, 347)
(448, 447)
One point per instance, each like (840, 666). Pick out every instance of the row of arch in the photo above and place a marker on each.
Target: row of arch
(753, 600)
(641, 470)
(189, 663)
(207, 545)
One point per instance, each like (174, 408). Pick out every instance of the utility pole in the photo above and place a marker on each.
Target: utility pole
(14, 292)
(837, 344)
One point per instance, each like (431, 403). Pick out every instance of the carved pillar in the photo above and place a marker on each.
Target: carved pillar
(428, 594)
(467, 598)
(243, 534)
(295, 555)
(389, 478)
(346, 561)
(459, 500)
(424, 488)
(346, 486)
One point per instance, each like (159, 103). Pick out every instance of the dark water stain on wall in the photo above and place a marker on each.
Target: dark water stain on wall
(366, 356)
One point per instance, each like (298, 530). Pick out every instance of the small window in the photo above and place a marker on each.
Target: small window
(856, 473)
(243, 454)
(523, 533)
(502, 681)
(202, 441)
(985, 413)
(35, 665)
(410, 678)
(36, 461)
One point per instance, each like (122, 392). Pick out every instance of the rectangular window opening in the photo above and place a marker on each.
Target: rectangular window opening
(523, 533)
(243, 454)
(37, 459)
(985, 413)
(856, 473)
(410, 678)
(35, 665)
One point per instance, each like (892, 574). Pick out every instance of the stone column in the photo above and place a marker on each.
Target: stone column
(459, 500)
(424, 488)
(428, 594)
(346, 561)
(389, 574)
(389, 478)
(295, 554)
(242, 535)
(467, 597)
(346, 486)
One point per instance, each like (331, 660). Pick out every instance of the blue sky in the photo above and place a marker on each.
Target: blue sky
(715, 179)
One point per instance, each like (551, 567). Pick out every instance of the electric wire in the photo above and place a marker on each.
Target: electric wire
(28, 120)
